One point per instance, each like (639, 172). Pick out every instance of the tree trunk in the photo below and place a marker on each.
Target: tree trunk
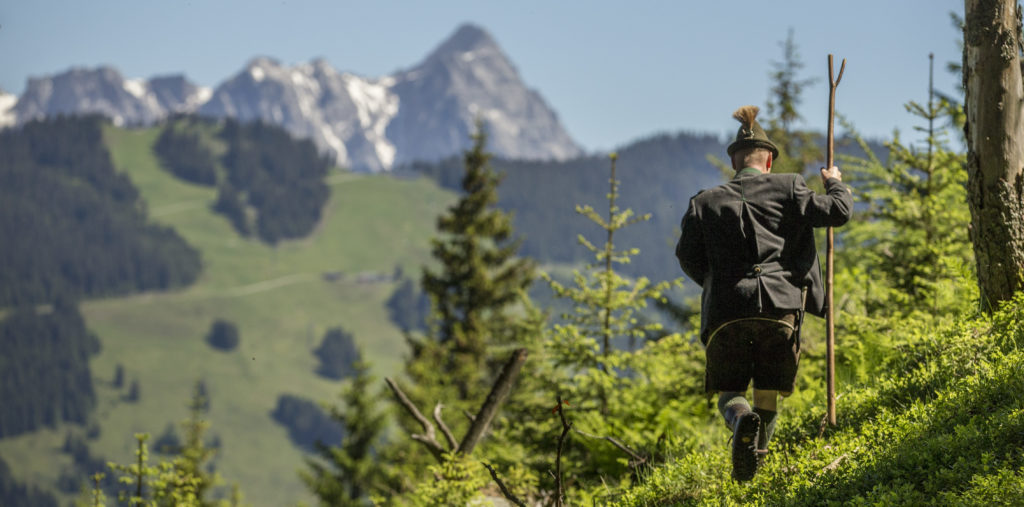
(995, 145)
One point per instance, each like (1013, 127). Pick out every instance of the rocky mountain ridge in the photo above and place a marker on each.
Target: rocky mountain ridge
(368, 124)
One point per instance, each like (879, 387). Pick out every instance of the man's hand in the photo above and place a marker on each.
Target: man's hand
(832, 172)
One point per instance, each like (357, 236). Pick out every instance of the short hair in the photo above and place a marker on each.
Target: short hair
(751, 157)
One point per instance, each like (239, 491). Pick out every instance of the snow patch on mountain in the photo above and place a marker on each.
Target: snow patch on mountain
(257, 73)
(375, 106)
(7, 102)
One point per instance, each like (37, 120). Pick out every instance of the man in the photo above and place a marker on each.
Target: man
(749, 244)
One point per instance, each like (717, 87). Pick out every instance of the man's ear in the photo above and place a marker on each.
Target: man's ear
(769, 165)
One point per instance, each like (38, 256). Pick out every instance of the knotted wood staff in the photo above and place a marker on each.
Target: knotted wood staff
(830, 319)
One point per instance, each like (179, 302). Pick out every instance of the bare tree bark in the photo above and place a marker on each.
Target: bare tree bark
(995, 145)
(501, 485)
(428, 437)
(452, 443)
(481, 422)
(502, 387)
(566, 427)
(635, 458)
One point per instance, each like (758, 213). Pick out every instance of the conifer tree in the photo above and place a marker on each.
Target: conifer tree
(195, 454)
(796, 147)
(345, 474)
(184, 480)
(917, 251)
(477, 281)
(618, 384)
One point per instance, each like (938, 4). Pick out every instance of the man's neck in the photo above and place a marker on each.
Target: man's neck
(753, 171)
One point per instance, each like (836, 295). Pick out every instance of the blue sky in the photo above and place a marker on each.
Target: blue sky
(614, 71)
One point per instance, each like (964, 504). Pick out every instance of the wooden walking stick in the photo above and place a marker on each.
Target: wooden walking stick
(830, 318)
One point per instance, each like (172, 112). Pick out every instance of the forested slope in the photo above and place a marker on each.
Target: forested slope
(72, 226)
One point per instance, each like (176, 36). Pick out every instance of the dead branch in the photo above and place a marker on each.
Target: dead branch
(636, 459)
(452, 443)
(566, 426)
(428, 438)
(834, 465)
(499, 392)
(501, 485)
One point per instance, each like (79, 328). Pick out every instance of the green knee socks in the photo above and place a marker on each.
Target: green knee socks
(767, 427)
(732, 405)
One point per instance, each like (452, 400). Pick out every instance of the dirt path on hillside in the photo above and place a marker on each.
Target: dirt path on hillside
(266, 285)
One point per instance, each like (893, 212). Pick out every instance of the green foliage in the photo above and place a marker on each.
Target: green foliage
(72, 226)
(44, 368)
(223, 335)
(181, 151)
(943, 427)
(347, 473)
(338, 354)
(267, 182)
(622, 390)
(906, 256)
(476, 283)
(13, 492)
(306, 422)
(282, 179)
(408, 306)
(183, 480)
(458, 482)
(656, 171)
(473, 290)
(797, 148)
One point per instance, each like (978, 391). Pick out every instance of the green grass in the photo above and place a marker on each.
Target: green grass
(281, 303)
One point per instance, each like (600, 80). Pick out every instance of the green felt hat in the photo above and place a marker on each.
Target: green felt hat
(750, 134)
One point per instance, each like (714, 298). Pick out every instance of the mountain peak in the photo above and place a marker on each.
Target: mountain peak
(466, 38)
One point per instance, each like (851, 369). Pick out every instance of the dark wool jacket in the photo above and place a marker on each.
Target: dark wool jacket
(749, 244)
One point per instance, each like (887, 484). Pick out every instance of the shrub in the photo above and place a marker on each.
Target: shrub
(338, 354)
(223, 335)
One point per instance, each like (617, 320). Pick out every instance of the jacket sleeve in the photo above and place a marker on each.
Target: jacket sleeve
(830, 210)
(690, 250)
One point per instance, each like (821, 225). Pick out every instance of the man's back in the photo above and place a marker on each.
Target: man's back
(750, 244)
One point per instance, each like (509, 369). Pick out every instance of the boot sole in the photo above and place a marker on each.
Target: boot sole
(744, 447)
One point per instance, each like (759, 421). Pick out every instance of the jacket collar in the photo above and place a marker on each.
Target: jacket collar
(747, 171)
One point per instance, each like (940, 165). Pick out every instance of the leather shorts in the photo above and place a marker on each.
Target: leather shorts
(764, 348)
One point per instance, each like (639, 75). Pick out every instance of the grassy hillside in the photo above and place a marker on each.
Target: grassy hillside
(282, 303)
(943, 426)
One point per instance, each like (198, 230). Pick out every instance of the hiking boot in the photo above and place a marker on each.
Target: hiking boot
(744, 446)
